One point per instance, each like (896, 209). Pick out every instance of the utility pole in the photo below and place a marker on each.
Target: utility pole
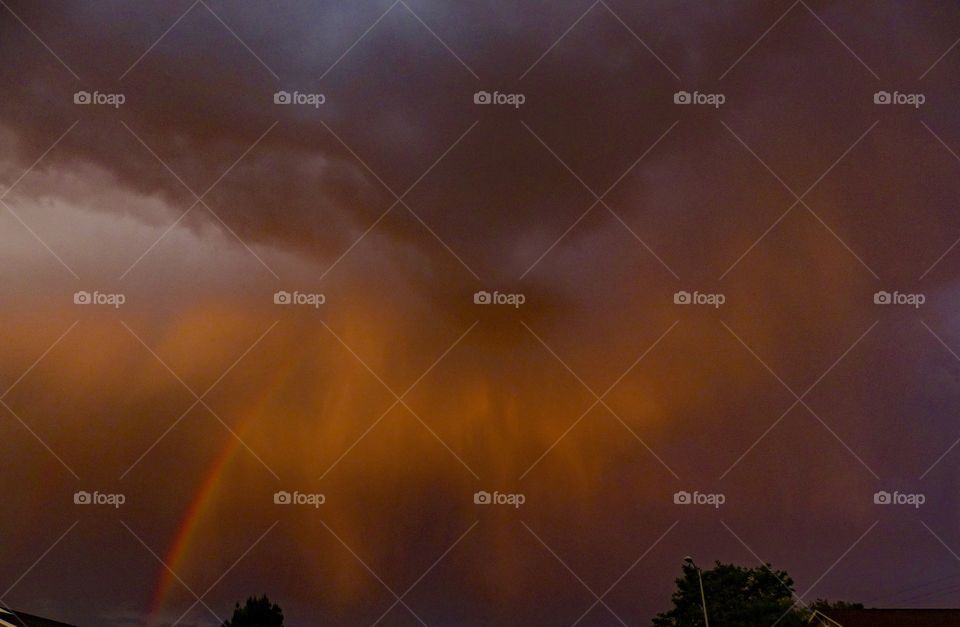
(703, 597)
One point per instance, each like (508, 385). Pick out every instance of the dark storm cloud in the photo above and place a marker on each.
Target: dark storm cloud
(599, 99)
(399, 99)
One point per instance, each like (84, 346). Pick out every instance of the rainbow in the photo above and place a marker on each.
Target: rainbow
(187, 529)
(199, 508)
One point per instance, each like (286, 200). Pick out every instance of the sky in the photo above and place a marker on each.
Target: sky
(288, 288)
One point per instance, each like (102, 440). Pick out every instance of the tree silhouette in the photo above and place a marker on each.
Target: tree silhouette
(735, 597)
(256, 612)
